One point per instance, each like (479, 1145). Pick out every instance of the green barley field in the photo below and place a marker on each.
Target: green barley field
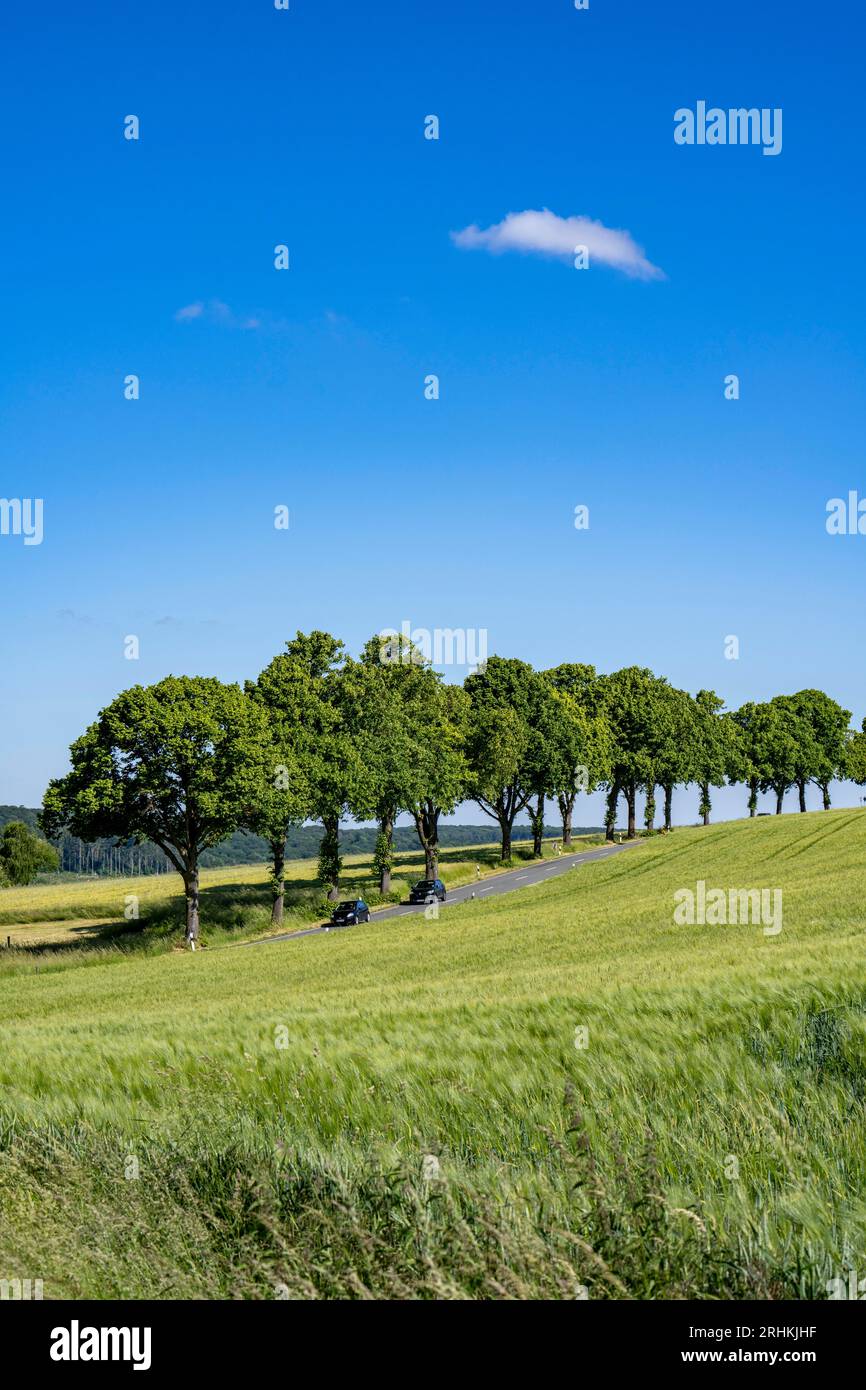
(558, 1093)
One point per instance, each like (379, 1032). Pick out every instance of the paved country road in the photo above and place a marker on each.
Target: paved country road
(509, 882)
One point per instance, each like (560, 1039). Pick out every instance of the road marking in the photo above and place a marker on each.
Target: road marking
(520, 876)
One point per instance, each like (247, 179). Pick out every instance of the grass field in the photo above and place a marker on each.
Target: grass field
(401, 1110)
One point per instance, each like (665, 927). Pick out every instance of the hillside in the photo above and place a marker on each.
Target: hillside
(410, 1109)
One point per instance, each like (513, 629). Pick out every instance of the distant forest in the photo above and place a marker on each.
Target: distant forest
(105, 857)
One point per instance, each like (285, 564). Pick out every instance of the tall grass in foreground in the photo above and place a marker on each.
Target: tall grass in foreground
(401, 1111)
(216, 1223)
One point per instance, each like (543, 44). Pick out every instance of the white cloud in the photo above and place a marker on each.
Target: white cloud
(216, 311)
(545, 234)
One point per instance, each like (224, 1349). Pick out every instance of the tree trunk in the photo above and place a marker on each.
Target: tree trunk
(631, 797)
(706, 804)
(566, 810)
(801, 789)
(610, 812)
(649, 818)
(191, 886)
(753, 797)
(780, 796)
(505, 850)
(825, 794)
(669, 797)
(538, 827)
(386, 831)
(426, 820)
(278, 884)
(329, 857)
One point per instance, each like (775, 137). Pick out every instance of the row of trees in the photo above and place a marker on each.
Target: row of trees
(320, 735)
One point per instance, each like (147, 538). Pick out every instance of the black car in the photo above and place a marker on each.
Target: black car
(349, 914)
(427, 891)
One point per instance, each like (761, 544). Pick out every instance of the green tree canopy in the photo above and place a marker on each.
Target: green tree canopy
(854, 765)
(675, 761)
(23, 855)
(316, 706)
(713, 749)
(771, 748)
(503, 747)
(178, 763)
(413, 746)
(284, 795)
(579, 745)
(822, 729)
(638, 709)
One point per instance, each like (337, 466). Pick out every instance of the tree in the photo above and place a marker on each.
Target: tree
(442, 767)
(674, 744)
(23, 855)
(771, 750)
(553, 731)
(283, 797)
(412, 745)
(383, 859)
(637, 708)
(317, 710)
(502, 775)
(854, 765)
(713, 747)
(746, 721)
(824, 725)
(805, 757)
(790, 754)
(579, 746)
(178, 763)
(674, 763)
(390, 673)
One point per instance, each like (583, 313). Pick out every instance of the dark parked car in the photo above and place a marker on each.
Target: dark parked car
(350, 913)
(428, 891)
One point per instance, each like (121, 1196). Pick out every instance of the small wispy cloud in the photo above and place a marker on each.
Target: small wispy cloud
(544, 234)
(215, 311)
(70, 615)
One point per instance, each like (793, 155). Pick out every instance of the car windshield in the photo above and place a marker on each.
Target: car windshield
(349, 907)
(425, 883)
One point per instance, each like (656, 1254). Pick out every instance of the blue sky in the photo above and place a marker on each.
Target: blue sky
(305, 387)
